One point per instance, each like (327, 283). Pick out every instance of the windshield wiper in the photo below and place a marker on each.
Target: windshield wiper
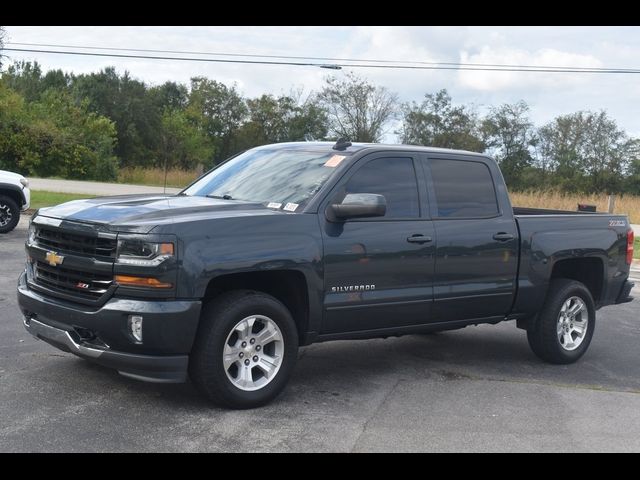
(226, 196)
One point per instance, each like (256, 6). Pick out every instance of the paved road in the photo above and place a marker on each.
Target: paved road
(93, 188)
(635, 272)
(477, 389)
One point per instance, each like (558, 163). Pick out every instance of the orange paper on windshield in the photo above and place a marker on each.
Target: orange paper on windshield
(334, 161)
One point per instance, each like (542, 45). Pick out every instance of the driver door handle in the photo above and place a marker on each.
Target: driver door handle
(503, 237)
(418, 238)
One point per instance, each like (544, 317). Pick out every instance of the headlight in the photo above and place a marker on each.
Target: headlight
(149, 254)
(24, 182)
(32, 233)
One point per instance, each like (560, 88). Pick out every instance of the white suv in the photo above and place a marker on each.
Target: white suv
(15, 196)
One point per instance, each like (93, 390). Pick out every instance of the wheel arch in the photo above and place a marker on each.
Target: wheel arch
(288, 286)
(13, 192)
(586, 270)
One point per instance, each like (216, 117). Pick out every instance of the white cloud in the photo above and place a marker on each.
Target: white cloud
(547, 57)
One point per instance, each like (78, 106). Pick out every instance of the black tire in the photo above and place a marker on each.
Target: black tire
(8, 208)
(543, 331)
(218, 319)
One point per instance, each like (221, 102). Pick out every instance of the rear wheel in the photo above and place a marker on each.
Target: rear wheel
(563, 331)
(9, 214)
(245, 350)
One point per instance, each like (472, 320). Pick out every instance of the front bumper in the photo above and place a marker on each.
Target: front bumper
(26, 192)
(101, 334)
(161, 369)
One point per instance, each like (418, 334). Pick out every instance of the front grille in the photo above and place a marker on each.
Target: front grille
(90, 286)
(76, 243)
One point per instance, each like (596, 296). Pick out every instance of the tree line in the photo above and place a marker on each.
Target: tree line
(90, 125)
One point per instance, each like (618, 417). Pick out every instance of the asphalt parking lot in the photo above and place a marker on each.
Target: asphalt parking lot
(477, 389)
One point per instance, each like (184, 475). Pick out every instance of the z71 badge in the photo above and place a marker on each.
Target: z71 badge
(617, 223)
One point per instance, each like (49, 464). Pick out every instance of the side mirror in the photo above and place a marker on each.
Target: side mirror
(358, 205)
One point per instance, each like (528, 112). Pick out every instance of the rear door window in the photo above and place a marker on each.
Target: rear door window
(463, 189)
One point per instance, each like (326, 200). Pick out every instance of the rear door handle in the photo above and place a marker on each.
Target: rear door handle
(417, 238)
(503, 237)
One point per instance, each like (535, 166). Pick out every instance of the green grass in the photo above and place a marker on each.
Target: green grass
(636, 248)
(41, 198)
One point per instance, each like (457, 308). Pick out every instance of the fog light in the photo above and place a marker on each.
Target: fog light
(135, 327)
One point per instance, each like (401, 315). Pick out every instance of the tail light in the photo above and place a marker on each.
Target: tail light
(629, 246)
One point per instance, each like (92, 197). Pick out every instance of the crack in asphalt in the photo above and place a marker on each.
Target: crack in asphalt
(375, 412)
(458, 376)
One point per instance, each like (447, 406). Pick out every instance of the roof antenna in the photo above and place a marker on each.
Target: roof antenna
(342, 144)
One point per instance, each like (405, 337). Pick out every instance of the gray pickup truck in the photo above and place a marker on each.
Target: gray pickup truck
(289, 244)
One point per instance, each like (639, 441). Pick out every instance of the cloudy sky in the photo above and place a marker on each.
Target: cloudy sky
(548, 94)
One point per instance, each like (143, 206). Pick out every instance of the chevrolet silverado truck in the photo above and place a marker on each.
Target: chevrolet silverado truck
(14, 198)
(289, 244)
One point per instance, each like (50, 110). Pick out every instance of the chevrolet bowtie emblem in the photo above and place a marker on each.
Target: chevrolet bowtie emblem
(54, 259)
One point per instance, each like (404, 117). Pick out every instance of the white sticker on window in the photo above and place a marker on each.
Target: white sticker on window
(291, 207)
(274, 205)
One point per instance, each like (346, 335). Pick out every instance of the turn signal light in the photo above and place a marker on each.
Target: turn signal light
(147, 282)
(630, 237)
(166, 249)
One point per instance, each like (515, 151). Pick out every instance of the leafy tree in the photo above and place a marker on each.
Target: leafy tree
(25, 78)
(310, 120)
(587, 151)
(169, 95)
(632, 182)
(282, 119)
(183, 140)
(438, 123)
(57, 80)
(55, 137)
(221, 110)
(2, 35)
(125, 101)
(183, 144)
(13, 121)
(509, 135)
(357, 109)
(82, 142)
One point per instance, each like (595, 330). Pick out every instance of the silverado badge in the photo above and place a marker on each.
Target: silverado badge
(54, 259)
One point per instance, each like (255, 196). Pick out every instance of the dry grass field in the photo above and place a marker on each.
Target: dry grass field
(627, 204)
(155, 176)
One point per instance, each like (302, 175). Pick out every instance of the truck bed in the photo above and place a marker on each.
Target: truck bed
(551, 236)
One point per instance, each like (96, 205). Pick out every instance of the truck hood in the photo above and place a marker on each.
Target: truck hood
(141, 213)
(16, 177)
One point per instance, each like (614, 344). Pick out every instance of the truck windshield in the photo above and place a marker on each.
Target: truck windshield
(280, 178)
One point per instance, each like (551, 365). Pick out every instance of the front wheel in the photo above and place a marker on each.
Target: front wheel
(245, 351)
(563, 331)
(9, 214)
